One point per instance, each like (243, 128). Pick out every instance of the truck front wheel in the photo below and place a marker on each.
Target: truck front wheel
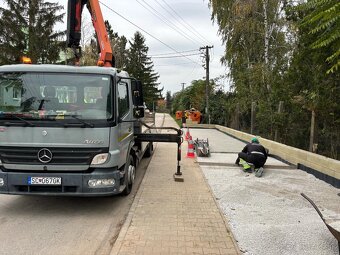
(130, 175)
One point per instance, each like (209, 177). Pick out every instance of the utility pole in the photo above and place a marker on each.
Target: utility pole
(207, 60)
(183, 83)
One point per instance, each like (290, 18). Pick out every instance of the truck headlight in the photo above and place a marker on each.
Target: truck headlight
(101, 183)
(100, 159)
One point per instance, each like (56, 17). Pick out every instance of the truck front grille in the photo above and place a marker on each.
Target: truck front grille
(60, 156)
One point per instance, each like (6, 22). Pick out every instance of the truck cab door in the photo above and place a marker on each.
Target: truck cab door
(125, 126)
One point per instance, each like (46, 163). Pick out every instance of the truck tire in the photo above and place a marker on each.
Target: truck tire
(130, 174)
(149, 151)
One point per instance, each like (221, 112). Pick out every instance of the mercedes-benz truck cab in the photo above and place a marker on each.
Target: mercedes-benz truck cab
(67, 130)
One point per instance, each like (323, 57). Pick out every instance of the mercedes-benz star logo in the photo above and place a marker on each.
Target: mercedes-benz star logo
(45, 155)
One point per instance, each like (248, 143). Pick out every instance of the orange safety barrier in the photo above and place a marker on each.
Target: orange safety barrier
(195, 116)
(179, 115)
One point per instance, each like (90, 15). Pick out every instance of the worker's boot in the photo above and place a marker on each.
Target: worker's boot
(245, 166)
(259, 172)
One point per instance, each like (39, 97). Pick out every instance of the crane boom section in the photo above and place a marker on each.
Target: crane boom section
(75, 10)
(102, 36)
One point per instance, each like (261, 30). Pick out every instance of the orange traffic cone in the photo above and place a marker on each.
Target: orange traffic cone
(190, 153)
(187, 135)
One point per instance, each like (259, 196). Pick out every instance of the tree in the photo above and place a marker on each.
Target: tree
(26, 28)
(253, 32)
(87, 31)
(272, 64)
(314, 108)
(218, 111)
(193, 96)
(323, 21)
(168, 99)
(118, 44)
(90, 53)
(256, 52)
(140, 66)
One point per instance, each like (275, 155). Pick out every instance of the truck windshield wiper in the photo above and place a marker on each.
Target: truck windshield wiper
(17, 117)
(80, 120)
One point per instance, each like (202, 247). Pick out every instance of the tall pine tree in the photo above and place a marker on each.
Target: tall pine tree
(141, 67)
(26, 28)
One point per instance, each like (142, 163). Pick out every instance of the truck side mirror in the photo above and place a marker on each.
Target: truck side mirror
(137, 93)
(137, 99)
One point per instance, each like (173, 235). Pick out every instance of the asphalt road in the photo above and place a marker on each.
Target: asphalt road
(59, 225)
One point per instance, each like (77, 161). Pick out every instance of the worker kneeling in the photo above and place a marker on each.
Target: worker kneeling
(255, 154)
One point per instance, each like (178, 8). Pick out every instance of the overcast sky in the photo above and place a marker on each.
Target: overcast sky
(191, 17)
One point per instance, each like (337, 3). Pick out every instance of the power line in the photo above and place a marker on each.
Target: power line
(174, 64)
(170, 53)
(191, 28)
(179, 56)
(168, 46)
(166, 21)
(177, 20)
(194, 71)
(213, 55)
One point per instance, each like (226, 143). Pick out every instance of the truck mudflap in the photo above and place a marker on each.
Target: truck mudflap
(100, 182)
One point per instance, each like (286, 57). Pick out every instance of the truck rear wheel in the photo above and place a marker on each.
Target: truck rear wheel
(130, 175)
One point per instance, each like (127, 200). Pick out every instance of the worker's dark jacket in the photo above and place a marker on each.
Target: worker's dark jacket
(254, 153)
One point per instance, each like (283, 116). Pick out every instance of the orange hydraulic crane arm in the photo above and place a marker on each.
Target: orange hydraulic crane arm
(74, 14)
(103, 40)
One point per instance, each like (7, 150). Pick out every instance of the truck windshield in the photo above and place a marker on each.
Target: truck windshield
(45, 96)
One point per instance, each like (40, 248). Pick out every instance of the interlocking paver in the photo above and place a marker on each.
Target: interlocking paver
(169, 217)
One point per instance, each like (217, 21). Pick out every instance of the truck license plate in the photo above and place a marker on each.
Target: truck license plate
(44, 180)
